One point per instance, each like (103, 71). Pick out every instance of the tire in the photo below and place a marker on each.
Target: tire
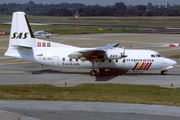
(163, 72)
(93, 73)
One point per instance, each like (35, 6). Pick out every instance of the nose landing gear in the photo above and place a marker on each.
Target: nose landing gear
(164, 72)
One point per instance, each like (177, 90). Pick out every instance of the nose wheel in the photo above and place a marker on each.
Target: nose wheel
(93, 72)
(163, 72)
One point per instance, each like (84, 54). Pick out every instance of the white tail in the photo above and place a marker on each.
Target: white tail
(21, 34)
(21, 39)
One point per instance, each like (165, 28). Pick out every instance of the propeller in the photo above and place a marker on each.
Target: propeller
(123, 53)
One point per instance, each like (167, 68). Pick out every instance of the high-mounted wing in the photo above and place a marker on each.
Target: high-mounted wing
(111, 45)
(108, 51)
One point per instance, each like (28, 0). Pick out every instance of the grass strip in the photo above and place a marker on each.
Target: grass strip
(64, 30)
(161, 21)
(141, 94)
(174, 56)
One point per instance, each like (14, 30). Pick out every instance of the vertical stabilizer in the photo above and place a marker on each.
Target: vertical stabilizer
(21, 34)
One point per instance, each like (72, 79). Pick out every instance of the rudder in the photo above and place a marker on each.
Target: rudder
(21, 34)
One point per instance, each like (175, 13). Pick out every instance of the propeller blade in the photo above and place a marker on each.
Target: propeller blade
(123, 53)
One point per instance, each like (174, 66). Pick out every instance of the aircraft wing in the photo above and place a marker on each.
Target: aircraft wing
(111, 45)
(99, 50)
(98, 53)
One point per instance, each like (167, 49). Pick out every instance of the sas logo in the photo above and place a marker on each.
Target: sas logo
(19, 35)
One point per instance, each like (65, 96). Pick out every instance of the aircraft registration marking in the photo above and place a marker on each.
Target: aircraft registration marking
(142, 66)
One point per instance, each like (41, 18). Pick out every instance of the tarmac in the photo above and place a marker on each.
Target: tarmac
(14, 72)
(64, 110)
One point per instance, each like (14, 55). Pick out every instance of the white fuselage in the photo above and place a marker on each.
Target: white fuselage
(135, 60)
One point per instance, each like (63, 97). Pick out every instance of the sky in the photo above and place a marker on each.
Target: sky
(94, 2)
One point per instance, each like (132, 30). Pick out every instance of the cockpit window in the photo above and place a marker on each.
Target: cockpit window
(152, 55)
(156, 55)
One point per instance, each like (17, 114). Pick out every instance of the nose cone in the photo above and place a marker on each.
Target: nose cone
(174, 62)
(170, 62)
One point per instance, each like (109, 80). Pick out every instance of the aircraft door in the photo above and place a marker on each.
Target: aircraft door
(55, 60)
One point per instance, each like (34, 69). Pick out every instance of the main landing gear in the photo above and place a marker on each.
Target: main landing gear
(93, 72)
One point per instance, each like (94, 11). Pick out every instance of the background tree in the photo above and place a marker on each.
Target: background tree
(66, 9)
(120, 9)
(140, 10)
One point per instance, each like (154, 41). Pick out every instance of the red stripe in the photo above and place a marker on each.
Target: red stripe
(146, 66)
(149, 66)
(141, 66)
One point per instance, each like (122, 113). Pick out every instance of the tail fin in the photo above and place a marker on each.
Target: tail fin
(22, 40)
(21, 34)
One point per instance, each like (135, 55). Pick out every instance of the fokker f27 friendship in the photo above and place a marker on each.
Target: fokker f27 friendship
(25, 46)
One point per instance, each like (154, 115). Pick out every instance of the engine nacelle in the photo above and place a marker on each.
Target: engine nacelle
(114, 54)
(75, 55)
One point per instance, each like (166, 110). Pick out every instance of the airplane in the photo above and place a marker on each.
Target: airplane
(23, 45)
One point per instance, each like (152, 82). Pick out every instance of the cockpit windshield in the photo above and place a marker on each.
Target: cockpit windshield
(155, 55)
(158, 55)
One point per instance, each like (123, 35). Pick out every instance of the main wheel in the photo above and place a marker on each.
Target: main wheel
(93, 72)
